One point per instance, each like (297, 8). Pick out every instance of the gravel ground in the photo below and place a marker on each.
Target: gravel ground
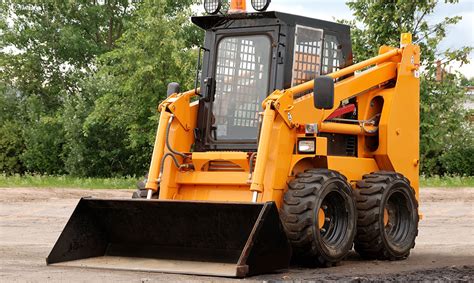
(32, 219)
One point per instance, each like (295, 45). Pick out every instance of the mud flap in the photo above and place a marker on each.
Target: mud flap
(220, 239)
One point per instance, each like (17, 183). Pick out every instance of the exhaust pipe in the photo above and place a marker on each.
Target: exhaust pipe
(219, 239)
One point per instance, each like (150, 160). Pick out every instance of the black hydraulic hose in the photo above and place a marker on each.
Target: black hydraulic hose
(175, 161)
(252, 156)
(168, 140)
(171, 153)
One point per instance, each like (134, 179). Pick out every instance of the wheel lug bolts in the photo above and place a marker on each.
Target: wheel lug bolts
(325, 207)
(323, 230)
(327, 219)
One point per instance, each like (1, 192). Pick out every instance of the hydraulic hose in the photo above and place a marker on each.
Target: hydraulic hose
(252, 157)
(167, 140)
(172, 152)
(370, 121)
(162, 165)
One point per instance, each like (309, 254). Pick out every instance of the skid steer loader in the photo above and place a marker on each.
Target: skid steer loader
(287, 150)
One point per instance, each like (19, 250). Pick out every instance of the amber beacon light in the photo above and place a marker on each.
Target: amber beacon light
(237, 6)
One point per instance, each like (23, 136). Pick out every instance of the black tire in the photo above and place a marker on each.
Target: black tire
(315, 242)
(387, 223)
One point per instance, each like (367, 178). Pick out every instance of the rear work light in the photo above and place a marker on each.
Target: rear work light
(260, 5)
(306, 146)
(212, 6)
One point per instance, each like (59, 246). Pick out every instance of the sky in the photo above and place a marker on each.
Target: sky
(459, 35)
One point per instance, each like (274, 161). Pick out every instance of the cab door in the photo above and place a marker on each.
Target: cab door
(241, 74)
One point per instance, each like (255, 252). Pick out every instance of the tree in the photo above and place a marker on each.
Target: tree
(117, 107)
(11, 143)
(46, 49)
(80, 81)
(54, 43)
(444, 129)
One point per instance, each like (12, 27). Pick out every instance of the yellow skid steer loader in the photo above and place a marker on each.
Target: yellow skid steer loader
(287, 150)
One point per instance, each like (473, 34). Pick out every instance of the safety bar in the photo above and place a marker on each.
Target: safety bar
(348, 129)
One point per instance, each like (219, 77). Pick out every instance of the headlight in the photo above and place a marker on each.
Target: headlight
(260, 5)
(212, 6)
(307, 146)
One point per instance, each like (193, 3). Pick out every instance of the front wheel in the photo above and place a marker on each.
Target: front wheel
(319, 217)
(387, 224)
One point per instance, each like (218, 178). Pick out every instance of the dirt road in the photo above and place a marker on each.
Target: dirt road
(32, 219)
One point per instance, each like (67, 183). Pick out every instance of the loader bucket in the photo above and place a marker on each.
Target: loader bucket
(219, 239)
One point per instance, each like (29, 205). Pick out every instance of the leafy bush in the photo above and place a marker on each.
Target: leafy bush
(459, 161)
(11, 147)
(44, 142)
(11, 139)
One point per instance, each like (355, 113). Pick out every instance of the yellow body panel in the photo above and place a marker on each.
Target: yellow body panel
(390, 88)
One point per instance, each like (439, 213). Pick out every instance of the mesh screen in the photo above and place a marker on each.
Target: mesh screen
(242, 73)
(332, 55)
(307, 54)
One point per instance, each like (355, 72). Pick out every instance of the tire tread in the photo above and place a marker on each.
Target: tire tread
(297, 213)
(369, 193)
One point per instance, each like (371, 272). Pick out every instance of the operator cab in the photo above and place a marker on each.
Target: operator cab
(246, 57)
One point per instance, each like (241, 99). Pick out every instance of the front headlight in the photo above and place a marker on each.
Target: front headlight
(307, 146)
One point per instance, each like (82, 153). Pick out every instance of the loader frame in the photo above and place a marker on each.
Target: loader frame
(391, 85)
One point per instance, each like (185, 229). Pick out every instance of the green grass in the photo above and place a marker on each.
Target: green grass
(447, 181)
(40, 181)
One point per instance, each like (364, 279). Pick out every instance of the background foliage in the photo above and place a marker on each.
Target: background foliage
(79, 89)
(80, 81)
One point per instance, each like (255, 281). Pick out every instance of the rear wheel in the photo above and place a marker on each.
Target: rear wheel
(387, 223)
(319, 217)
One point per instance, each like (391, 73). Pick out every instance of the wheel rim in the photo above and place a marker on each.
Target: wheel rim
(385, 217)
(398, 217)
(335, 216)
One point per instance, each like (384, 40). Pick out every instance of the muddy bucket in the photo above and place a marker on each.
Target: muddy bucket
(219, 239)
